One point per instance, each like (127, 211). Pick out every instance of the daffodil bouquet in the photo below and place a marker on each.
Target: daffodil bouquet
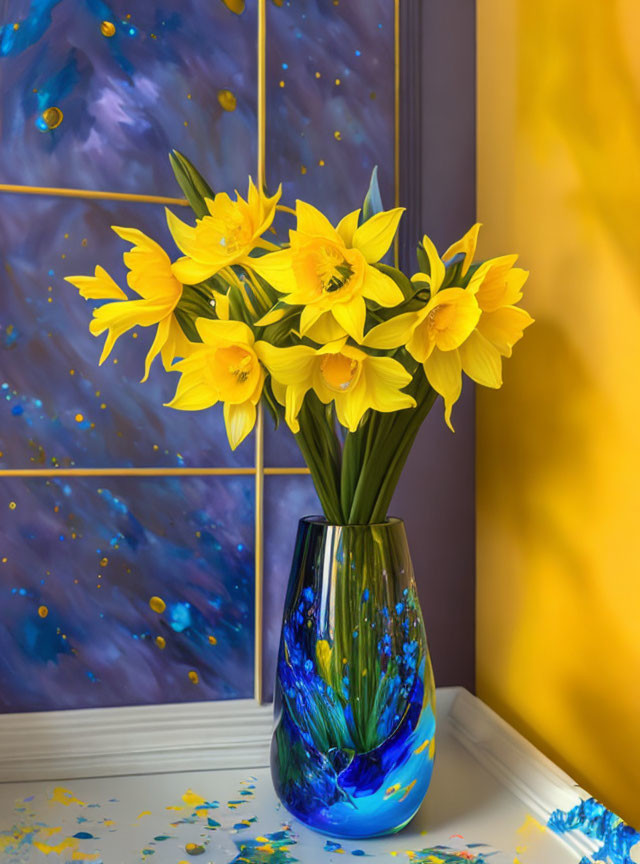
(346, 348)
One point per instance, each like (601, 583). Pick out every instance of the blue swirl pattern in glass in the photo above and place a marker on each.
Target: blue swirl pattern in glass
(353, 748)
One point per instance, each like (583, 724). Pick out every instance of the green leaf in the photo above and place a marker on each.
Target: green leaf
(194, 186)
(275, 408)
(404, 284)
(372, 200)
(237, 307)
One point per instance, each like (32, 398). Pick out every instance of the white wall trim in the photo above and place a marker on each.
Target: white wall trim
(517, 764)
(148, 739)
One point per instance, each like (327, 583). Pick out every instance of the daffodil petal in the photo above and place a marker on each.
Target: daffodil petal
(436, 267)
(351, 406)
(491, 282)
(452, 315)
(289, 366)
(294, 398)
(351, 317)
(194, 391)
(312, 222)
(481, 361)
(380, 288)
(393, 333)
(239, 420)
(385, 378)
(212, 331)
(221, 305)
(504, 327)
(97, 287)
(347, 227)
(325, 329)
(120, 316)
(276, 269)
(177, 344)
(162, 334)
(444, 372)
(184, 235)
(310, 314)
(466, 246)
(190, 272)
(374, 237)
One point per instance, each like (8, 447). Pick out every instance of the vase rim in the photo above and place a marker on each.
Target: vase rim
(322, 520)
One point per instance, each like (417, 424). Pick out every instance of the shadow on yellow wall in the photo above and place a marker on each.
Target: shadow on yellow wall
(559, 446)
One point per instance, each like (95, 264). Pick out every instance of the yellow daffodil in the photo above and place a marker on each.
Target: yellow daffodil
(223, 238)
(223, 368)
(433, 334)
(151, 277)
(340, 373)
(497, 285)
(328, 271)
(461, 330)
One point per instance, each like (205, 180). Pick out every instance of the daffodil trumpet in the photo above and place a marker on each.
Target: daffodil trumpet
(318, 327)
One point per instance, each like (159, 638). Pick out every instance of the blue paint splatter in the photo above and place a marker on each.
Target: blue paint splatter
(595, 821)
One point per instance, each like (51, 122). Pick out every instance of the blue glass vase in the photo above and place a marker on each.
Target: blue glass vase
(353, 747)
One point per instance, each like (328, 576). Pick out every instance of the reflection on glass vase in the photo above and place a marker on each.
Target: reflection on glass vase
(353, 747)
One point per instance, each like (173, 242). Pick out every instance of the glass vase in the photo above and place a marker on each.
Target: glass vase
(353, 747)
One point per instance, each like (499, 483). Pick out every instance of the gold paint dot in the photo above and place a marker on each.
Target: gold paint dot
(4, 560)
(157, 604)
(193, 677)
(155, 447)
(236, 6)
(282, 83)
(188, 95)
(108, 29)
(12, 505)
(135, 335)
(16, 26)
(227, 100)
(66, 236)
(103, 405)
(79, 418)
(303, 169)
(321, 163)
(337, 82)
(43, 611)
(153, 35)
(161, 642)
(53, 117)
(72, 371)
(212, 640)
(318, 75)
(84, 242)
(372, 95)
(49, 299)
(104, 562)
(337, 135)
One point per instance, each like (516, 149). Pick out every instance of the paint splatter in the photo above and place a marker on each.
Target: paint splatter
(595, 821)
(267, 849)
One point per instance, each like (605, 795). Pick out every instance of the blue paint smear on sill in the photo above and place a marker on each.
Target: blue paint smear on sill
(598, 823)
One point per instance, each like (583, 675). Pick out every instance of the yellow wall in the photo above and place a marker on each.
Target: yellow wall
(559, 446)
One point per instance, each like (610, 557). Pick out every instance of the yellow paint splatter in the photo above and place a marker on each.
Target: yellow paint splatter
(157, 604)
(161, 642)
(423, 746)
(303, 169)
(43, 611)
(227, 100)
(192, 799)
(282, 84)
(392, 790)
(67, 843)
(193, 676)
(321, 162)
(86, 856)
(12, 505)
(108, 29)
(337, 135)
(236, 6)
(144, 813)
(79, 418)
(52, 117)
(104, 562)
(65, 796)
(212, 640)
(337, 82)
(318, 75)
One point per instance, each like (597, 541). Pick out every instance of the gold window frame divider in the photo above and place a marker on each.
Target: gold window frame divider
(259, 471)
